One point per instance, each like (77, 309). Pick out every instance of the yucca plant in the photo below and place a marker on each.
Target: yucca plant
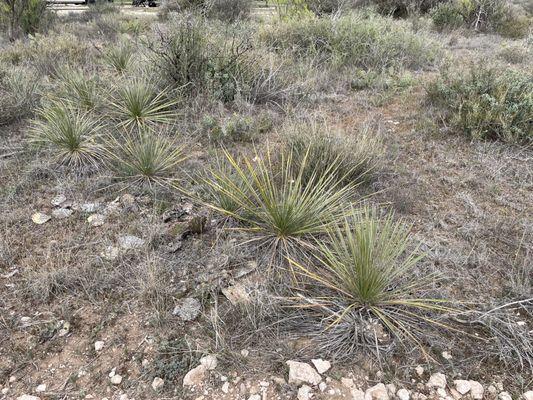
(367, 274)
(145, 157)
(74, 135)
(78, 89)
(137, 104)
(274, 203)
(119, 57)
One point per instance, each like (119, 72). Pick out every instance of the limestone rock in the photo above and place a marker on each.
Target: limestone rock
(116, 379)
(528, 395)
(300, 373)
(462, 386)
(40, 218)
(505, 396)
(195, 376)
(28, 397)
(437, 380)
(157, 383)
(304, 393)
(321, 365)
(377, 392)
(209, 362)
(130, 242)
(357, 394)
(62, 213)
(403, 394)
(476, 390)
(99, 345)
(188, 309)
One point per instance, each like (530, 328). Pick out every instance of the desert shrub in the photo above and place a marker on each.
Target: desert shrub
(358, 39)
(229, 10)
(403, 8)
(367, 287)
(145, 158)
(320, 7)
(19, 94)
(273, 202)
(138, 104)
(514, 54)
(482, 15)
(23, 16)
(292, 9)
(119, 57)
(78, 89)
(317, 146)
(74, 136)
(486, 103)
(237, 128)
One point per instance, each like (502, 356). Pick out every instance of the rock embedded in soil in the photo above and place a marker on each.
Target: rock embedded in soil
(188, 309)
(196, 376)
(377, 392)
(99, 345)
(41, 388)
(304, 393)
(40, 218)
(236, 294)
(437, 380)
(62, 213)
(403, 394)
(462, 386)
(58, 200)
(157, 383)
(28, 397)
(96, 220)
(321, 365)
(210, 362)
(130, 242)
(505, 396)
(476, 390)
(357, 394)
(116, 379)
(300, 373)
(528, 395)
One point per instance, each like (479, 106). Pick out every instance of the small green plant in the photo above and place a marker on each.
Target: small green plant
(145, 158)
(72, 134)
(137, 104)
(486, 103)
(119, 57)
(366, 272)
(316, 147)
(80, 90)
(273, 202)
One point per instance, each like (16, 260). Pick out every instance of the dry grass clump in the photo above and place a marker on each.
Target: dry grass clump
(362, 39)
(19, 94)
(366, 275)
(73, 135)
(486, 103)
(80, 90)
(274, 202)
(357, 155)
(145, 158)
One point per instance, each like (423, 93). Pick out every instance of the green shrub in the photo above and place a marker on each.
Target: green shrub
(316, 147)
(229, 10)
(274, 203)
(366, 273)
(23, 16)
(19, 94)
(515, 54)
(73, 136)
(486, 103)
(447, 16)
(138, 104)
(403, 8)
(145, 158)
(359, 39)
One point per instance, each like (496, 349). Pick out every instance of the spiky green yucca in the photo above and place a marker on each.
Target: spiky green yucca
(145, 158)
(72, 134)
(138, 104)
(119, 57)
(78, 89)
(365, 268)
(275, 203)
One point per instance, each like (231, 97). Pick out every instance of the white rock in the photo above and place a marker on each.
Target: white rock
(195, 376)
(41, 388)
(99, 345)
(300, 372)
(236, 294)
(188, 309)
(321, 365)
(245, 352)
(377, 392)
(62, 213)
(419, 370)
(28, 397)
(110, 253)
(130, 242)
(322, 386)
(40, 218)
(255, 397)
(528, 395)
(96, 220)
(90, 207)
(157, 383)
(210, 362)
(462, 386)
(505, 396)
(437, 380)
(58, 200)
(403, 394)
(4, 391)
(441, 392)
(446, 355)
(225, 387)
(116, 379)
(304, 393)
(13, 378)
(391, 389)
(347, 382)
(357, 394)
(476, 390)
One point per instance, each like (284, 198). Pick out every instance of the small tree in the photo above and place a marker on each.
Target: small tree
(21, 16)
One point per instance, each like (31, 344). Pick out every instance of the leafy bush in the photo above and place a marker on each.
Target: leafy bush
(19, 94)
(23, 16)
(138, 104)
(145, 157)
(357, 157)
(403, 8)
(447, 16)
(229, 10)
(73, 135)
(273, 202)
(321, 7)
(486, 103)
(357, 39)
(366, 273)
